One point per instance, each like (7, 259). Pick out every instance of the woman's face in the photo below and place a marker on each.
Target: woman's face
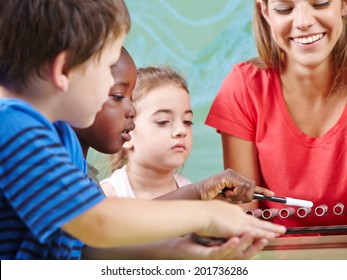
(306, 30)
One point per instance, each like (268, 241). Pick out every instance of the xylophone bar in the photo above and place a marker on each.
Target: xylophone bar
(317, 229)
(216, 241)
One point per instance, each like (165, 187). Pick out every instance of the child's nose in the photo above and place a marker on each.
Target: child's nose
(180, 130)
(131, 112)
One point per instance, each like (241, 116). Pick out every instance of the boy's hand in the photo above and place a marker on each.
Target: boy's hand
(227, 185)
(235, 248)
(230, 186)
(229, 195)
(184, 248)
(228, 220)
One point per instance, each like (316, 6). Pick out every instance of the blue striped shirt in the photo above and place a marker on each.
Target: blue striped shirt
(41, 189)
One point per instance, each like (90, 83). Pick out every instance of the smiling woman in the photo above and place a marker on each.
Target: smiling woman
(299, 27)
(283, 116)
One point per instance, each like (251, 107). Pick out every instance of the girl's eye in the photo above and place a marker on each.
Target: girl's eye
(188, 123)
(162, 123)
(118, 97)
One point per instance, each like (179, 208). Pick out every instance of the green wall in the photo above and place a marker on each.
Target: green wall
(202, 39)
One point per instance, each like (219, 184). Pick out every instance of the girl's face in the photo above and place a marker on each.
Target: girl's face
(112, 124)
(306, 30)
(162, 138)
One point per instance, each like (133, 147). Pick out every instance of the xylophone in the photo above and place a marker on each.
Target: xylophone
(331, 245)
(326, 247)
(302, 212)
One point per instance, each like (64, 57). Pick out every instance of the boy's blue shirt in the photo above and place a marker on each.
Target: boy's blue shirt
(70, 141)
(43, 184)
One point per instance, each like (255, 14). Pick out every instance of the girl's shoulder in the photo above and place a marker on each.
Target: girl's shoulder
(181, 181)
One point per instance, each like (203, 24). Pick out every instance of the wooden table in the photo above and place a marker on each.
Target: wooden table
(332, 247)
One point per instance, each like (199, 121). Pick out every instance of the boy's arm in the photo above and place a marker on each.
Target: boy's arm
(119, 222)
(122, 221)
(235, 189)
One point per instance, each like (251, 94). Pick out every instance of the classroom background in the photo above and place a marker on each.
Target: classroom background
(202, 39)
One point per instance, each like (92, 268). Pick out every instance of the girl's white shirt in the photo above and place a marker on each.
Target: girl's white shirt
(119, 181)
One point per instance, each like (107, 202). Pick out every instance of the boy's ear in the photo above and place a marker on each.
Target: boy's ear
(59, 77)
(128, 145)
